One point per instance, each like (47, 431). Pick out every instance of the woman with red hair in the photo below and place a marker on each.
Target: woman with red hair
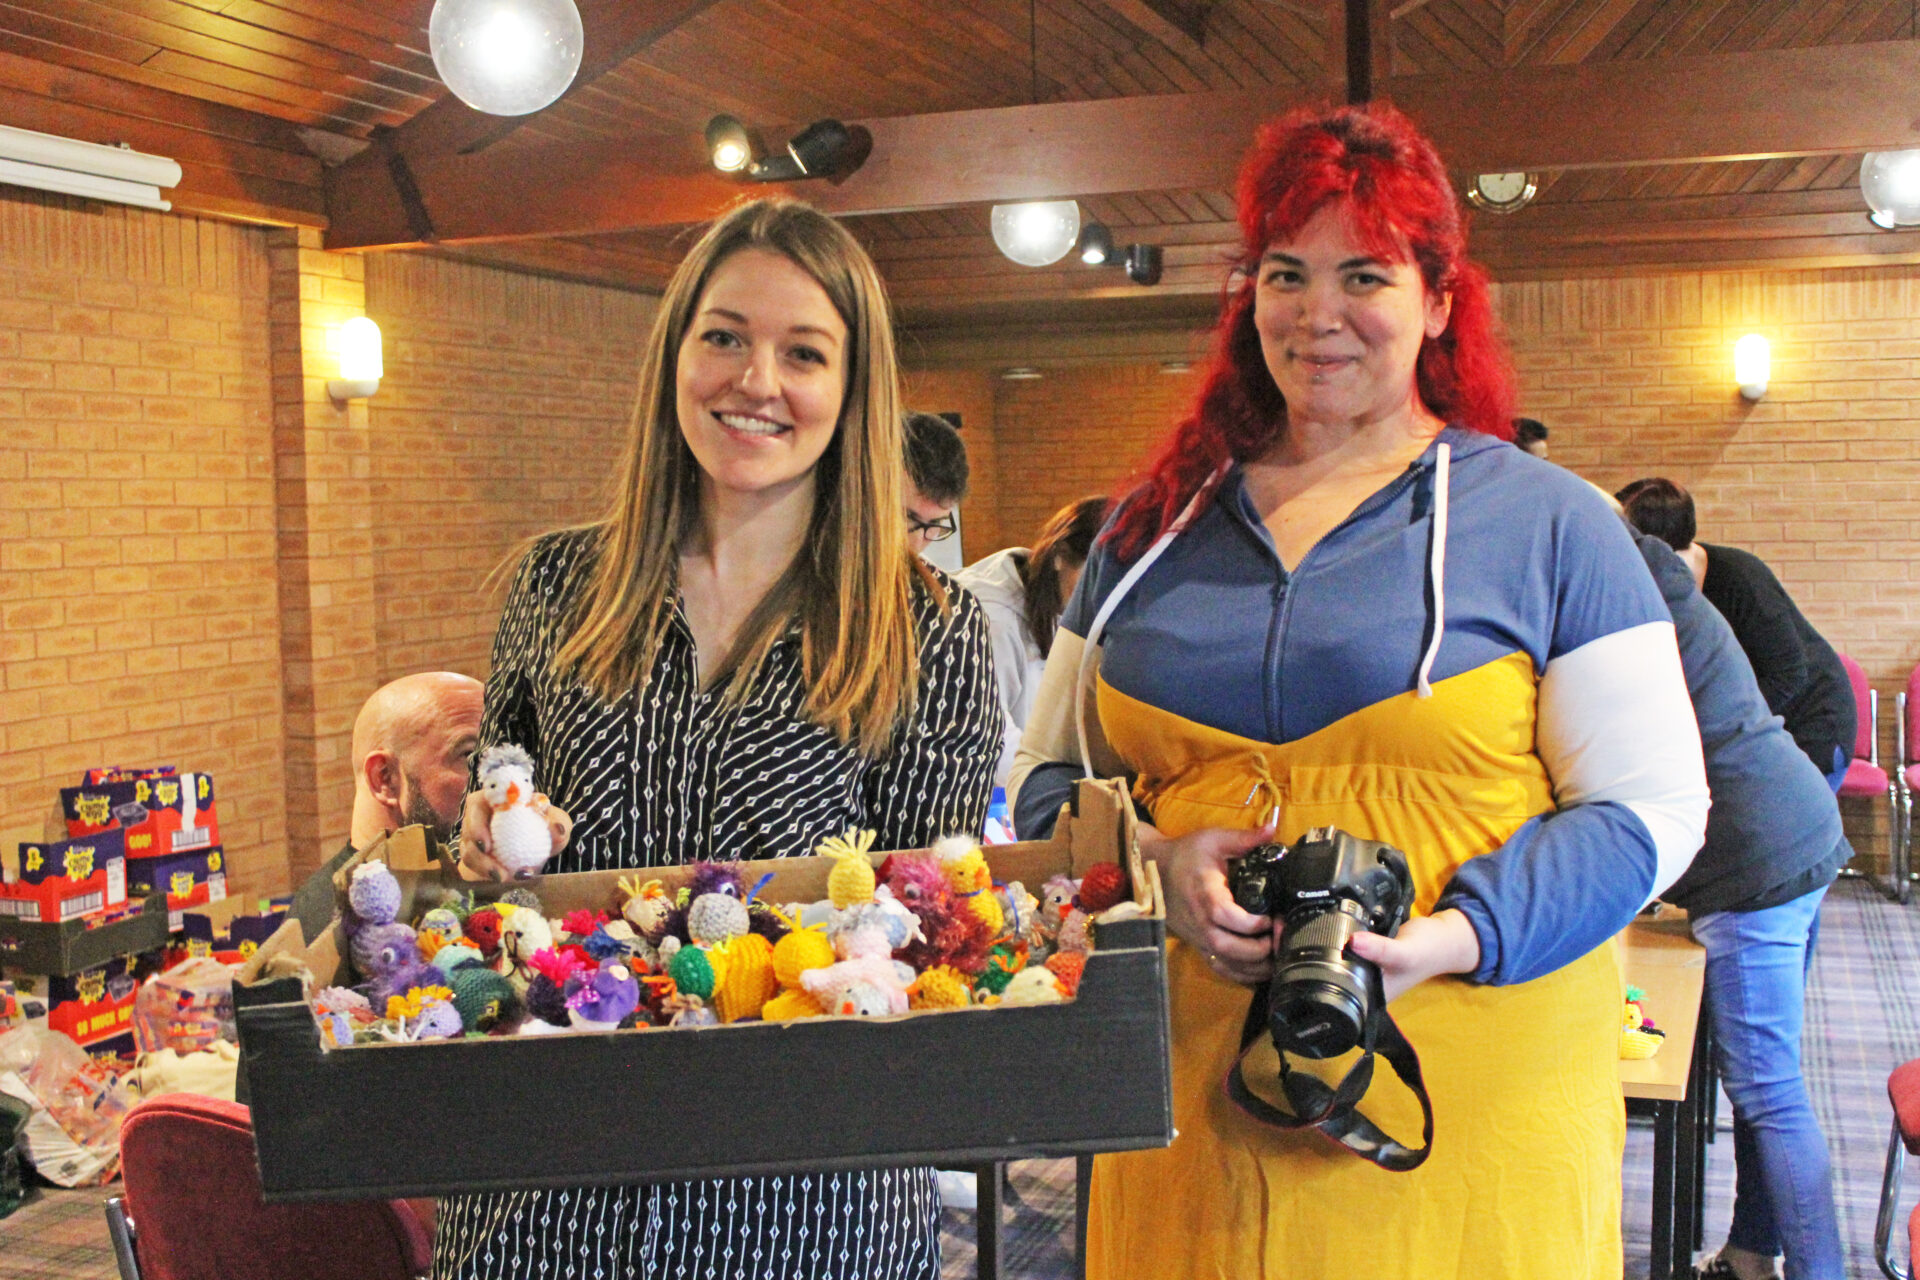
(1339, 598)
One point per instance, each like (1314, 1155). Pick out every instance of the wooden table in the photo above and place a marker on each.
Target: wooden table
(1675, 1086)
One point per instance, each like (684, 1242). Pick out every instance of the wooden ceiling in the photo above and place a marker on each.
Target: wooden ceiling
(1666, 133)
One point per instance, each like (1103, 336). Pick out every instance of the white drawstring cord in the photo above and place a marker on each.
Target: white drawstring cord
(1112, 602)
(1437, 569)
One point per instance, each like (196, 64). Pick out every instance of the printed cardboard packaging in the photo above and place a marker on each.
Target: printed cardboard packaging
(954, 1088)
(162, 814)
(58, 880)
(188, 879)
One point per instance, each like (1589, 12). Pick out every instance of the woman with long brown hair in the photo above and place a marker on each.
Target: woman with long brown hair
(740, 660)
(1340, 599)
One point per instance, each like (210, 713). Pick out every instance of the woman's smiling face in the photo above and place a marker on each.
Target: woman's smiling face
(1340, 329)
(761, 374)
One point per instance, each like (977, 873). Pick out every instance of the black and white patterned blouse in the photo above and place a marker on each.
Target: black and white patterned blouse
(669, 778)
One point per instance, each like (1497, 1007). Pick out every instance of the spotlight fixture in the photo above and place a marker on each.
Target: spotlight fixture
(825, 148)
(506, 57)
(1096, 244)
(1890, 181)
(1143, 263)
(728, 145)
(1037, 233)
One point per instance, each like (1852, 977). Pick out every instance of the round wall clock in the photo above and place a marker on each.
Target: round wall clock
(1502, 192)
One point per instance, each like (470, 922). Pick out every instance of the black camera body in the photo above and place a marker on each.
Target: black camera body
(1325, 888)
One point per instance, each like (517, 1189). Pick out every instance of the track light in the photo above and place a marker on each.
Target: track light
(1096, 244)
(1143, 263)
(825, 148)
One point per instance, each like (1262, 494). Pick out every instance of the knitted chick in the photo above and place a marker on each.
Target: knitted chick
(1033, 986)
(600, 1000)
(795, 954)
(966, 869)
(745, 977)
(374, 894)
(943, 987)
(437, 928)
(647, 908)
(1056, 900)
(950, 932)
(1068, 967)
(864, 987)
(483, 931)
(521, 841)
(851, 879)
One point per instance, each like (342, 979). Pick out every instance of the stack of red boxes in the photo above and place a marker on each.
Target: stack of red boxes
(170, 826)
(68, 879)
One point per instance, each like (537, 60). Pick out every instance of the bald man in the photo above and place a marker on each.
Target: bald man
(411, 746)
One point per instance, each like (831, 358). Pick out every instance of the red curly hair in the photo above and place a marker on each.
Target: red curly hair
(1398, 200)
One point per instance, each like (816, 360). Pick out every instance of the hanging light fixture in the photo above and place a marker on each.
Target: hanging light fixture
(1890, 180)
(1037, 233)
(1096, 244)
(505, 57)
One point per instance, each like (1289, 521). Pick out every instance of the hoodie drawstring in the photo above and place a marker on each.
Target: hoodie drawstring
(1437, 569)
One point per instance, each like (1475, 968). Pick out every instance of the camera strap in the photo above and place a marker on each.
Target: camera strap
(1335, 1111)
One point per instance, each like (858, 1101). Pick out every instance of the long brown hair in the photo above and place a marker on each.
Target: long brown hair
(1065, 539)
(850, 585)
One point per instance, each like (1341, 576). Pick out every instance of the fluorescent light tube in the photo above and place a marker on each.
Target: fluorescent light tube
(49, 163)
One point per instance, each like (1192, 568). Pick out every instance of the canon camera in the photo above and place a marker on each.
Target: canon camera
(1323, 889)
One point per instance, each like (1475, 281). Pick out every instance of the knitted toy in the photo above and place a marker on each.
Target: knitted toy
(483, 932)
(522, 934)
(521, 841)
(1056, 901)
(1101, 887)
(714, 917)
(1022, 911)
(851, 879)
(950, 932)
(943, 987)
(483, 998)
(647, 908)
(437, 928)
(1073, 935)
(1639, 1038)
(453, 955)
(692, 972)
(744, 980)
(424, 1013)
(1032, 986)
(601, 1000)
(1005, 960)
(1068, 967)
(374, 894)
(340, 1011)
(799, 951)
(612, 940)
(865, 986)
(966, 869)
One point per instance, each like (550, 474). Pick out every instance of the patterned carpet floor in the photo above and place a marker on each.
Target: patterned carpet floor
(1863, 1019)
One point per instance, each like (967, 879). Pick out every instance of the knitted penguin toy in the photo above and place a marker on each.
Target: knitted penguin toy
(521, 841)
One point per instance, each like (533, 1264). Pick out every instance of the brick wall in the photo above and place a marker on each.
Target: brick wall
(137, 603)
(506, 401)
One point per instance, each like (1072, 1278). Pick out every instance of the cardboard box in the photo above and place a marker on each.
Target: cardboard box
(954, 1088)
(76, 945)
(229, 931)
(162, 814)
(188, 879)
(59, 880)
(95, 1007)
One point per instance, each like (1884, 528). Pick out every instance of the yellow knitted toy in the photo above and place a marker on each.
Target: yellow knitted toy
(851, 879)
(742, 981)
(966, 869)
(793, 955)
(1639, 1038)
(940, 987)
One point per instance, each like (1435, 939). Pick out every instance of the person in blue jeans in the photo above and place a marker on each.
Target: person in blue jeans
(1773, 845)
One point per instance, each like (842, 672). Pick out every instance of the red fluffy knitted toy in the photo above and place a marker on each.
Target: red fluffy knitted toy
(954, 934)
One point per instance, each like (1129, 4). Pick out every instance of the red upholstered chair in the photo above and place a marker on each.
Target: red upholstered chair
(1906, 734)
(1865, 778)
(192, 1208)
(1903, 1090)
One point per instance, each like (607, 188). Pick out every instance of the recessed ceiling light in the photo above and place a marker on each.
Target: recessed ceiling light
(1020, 373)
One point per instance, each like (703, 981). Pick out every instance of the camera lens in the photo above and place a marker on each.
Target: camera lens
(1319, 996)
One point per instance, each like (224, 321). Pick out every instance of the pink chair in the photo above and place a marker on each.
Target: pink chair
(1865, 779)
(192, 1209)
(1903, 1091)
(1906, 733)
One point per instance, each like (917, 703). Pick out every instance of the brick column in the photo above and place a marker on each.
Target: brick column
(324, 515)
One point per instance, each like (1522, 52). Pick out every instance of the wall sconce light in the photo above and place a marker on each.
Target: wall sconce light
(824, 149)
(361, 368)
(1037, 233)
(1752, 365)
(1890, 181)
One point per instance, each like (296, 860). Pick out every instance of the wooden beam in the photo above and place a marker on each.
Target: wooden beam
(1776, 102)
(1178, 24)
(1362, 31)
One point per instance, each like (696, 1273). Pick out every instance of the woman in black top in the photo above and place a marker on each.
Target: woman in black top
(740, 660)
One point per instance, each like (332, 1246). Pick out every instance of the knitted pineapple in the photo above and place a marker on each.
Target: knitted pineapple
(851, 879)
(745, 980)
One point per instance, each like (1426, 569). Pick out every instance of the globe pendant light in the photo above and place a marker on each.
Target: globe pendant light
(505, 57)
(1038, 233)
(1890, 180)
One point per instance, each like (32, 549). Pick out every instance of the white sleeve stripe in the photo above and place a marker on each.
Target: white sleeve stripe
(1616, 724)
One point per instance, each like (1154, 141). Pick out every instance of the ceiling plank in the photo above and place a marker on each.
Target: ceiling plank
(1752, 105)
(1181, 26)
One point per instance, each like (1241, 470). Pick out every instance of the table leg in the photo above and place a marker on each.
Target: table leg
(1082, 1197)
(987, 1221)
(1686, 1177)
(1660, 1252)
(1704, 1086)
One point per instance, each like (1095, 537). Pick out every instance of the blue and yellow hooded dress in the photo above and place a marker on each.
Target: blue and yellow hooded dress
(1476, 668)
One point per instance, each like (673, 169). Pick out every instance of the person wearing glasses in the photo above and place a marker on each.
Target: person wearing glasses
(937, 469)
